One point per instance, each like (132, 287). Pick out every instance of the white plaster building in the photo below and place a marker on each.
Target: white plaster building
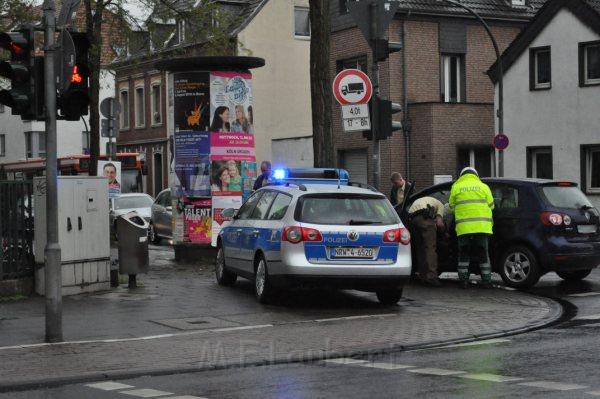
(552, 96)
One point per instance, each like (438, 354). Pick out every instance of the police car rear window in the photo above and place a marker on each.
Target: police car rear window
(345, 209)
(566, 197)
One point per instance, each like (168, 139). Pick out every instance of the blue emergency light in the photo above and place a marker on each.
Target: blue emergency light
(279, 174)
(310, 176)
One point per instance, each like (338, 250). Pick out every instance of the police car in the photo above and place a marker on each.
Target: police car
(331, 234)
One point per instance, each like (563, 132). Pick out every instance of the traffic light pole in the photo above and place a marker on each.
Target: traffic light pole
(52, 272)
(373, 15)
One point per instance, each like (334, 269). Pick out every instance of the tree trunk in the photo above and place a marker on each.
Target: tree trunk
(94, 35)
(320, 84)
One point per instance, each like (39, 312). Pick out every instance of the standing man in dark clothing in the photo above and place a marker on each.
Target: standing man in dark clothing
(426, 218)
(399, 190)
(265, 169)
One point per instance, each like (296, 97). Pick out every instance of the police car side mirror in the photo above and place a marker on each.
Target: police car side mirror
(228, 213)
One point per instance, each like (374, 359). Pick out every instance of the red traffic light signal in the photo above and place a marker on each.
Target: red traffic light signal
(76, 77)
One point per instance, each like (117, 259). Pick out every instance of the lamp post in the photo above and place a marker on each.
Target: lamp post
(500, 113)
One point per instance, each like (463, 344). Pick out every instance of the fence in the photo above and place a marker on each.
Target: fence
(16, 229)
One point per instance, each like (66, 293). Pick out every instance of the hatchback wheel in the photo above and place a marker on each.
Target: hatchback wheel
(389, 296)
(224, 277)
(519, 267)
(575, 275)
(152, 236)
(262, 285)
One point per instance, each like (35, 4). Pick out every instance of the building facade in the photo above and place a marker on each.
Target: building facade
(439, 78)
(275, 30)
(552, 96)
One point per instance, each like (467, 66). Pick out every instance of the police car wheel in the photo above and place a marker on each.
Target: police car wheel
(263, 288)
(389, 296)
(519, 268)
(224, 277)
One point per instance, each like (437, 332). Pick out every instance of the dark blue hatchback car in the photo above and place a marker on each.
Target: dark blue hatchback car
(539, 226)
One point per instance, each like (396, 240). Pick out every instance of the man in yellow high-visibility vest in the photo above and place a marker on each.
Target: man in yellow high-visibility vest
(472, 203)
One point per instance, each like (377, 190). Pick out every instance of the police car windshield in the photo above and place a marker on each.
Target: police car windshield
(345, 209)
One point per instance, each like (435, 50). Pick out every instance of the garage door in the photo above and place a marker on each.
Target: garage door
(355, 162)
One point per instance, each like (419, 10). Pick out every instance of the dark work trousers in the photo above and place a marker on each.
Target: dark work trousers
(474, 248)
(424, 237)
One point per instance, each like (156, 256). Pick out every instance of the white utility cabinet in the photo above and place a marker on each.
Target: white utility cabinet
(83, 232)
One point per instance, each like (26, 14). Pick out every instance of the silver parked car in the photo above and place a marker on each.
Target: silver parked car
(161, 219)
(341, 236)
(126, 203)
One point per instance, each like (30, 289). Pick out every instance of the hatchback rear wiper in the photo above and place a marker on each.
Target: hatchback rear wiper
(585, 207)
(353, 222)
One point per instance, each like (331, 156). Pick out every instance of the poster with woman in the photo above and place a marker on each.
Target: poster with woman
(231, 102)
(191, 101)
(226, 177)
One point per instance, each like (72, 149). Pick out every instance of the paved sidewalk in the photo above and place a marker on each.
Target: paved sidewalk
(181, 320)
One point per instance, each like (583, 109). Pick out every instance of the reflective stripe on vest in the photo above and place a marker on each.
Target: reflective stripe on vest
(466, 220)
(472, 201)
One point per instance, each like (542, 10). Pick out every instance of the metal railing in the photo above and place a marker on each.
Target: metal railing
(16, 230)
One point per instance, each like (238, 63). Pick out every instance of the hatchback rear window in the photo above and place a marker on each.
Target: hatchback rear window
(566, 197)
(344, 209)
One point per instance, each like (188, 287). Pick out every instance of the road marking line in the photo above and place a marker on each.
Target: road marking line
(345, 360)
(385, 366)
(588, 317)
(185, 397)
(490, 377)
(149, 337)
(146, 393)
(434, 371)
(366, 316)
(109, 386)
(558, 386)
(585, 294)
(475, 343)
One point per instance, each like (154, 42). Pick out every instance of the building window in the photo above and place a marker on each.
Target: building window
(589, 63)
(452, 81)
(301, 22)
(181, 31)
(481, 158)
(2, 145)
(359, 63)
(156, 104)
(124, 117)
(539, 162)
(591, 169)
(343, 7)
(140, 114)
(85, 142)
(35, 144)
(540, 68)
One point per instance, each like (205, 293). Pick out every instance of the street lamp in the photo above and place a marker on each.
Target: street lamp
(500, 114)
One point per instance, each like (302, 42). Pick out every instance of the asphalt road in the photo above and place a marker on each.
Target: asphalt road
(560, 361)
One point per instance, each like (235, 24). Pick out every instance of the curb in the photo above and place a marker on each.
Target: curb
(556, 315)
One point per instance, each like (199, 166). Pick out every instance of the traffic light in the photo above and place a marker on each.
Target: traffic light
(26, 74)
(386, 124)
(74, 98)
(383, 48)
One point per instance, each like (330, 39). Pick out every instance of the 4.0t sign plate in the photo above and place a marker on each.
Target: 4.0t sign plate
(356, 117)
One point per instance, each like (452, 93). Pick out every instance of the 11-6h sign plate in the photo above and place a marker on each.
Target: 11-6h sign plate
(355, 118)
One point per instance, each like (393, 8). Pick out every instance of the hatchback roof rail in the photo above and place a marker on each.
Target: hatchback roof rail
(362, 185)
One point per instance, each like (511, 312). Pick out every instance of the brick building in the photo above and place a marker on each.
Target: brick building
(440, 79)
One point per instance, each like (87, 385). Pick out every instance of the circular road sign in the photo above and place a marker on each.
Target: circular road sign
(352, 86)
(501, 142)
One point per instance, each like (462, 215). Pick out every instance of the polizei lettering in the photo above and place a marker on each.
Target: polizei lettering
(467, 189)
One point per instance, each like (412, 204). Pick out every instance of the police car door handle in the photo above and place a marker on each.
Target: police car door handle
(255, 232)
(239, 230)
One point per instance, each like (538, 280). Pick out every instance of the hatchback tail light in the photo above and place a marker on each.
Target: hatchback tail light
(296, 234)
(400, 235)
(554, 219)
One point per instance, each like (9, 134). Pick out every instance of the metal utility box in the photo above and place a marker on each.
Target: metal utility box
(83, 233)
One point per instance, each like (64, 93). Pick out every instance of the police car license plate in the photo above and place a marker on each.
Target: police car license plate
(353, 252)
(587, 228)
